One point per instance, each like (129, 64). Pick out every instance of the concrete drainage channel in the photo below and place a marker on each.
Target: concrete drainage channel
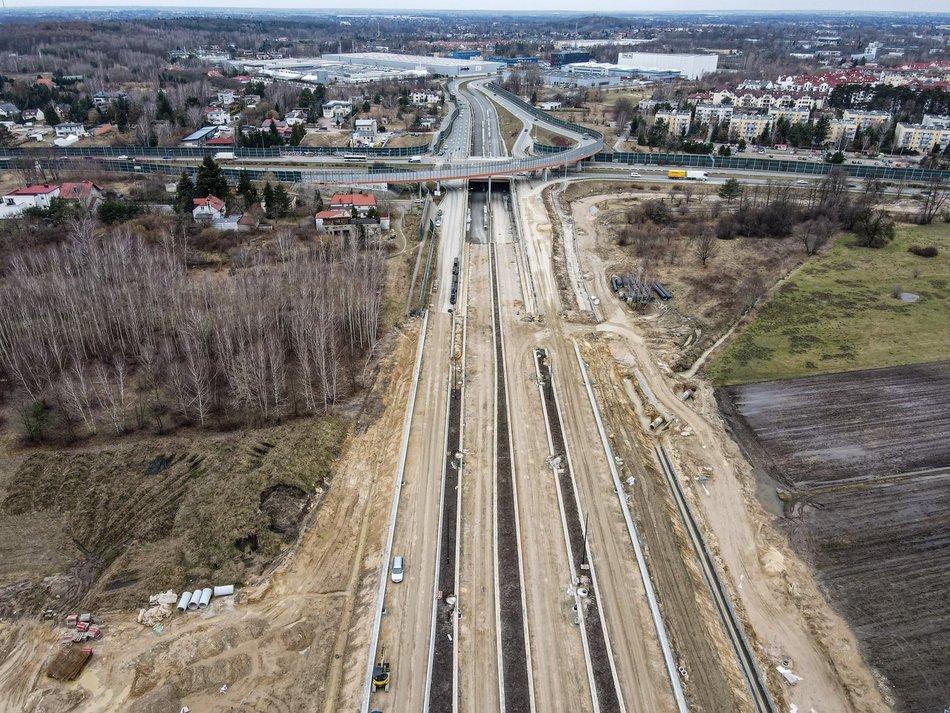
(600, 664)
(441, 694)
(517, 690)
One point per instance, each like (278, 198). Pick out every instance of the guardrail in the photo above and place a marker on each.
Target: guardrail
(202, 151)
(544, 116)
(444, 133)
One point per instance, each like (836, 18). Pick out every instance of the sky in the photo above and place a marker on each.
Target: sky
(590, 6)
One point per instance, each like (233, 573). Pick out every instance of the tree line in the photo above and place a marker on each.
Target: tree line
(111, 332)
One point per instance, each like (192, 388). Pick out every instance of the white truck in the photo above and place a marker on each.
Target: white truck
(224, 156)
(697, 176)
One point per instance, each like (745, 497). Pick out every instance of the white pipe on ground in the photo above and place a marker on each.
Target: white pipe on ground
(224, 590)
(205, 597)
(195, 596)
(183, 602)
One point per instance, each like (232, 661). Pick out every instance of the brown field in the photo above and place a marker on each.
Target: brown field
(864, 462)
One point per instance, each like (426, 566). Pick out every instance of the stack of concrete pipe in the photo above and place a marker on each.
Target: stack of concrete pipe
(200, 598)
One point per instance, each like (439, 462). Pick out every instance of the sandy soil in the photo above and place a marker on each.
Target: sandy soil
(774, 591)
(292, 641)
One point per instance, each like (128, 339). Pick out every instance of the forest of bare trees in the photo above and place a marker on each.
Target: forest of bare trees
(112, 333)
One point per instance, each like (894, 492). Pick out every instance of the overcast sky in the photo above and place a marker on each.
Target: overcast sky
(601, 6)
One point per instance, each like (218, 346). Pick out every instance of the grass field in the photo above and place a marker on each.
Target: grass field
(838, 313)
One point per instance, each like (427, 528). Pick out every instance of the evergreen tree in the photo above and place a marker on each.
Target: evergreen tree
(210, 180)
(282, 201)
(296, 134)
(821, 130)
(730, 190)
(163, 108)
(318, 199)
(184, 194)
(269, 201)
(274, 135)
(246, 189)
(52, 118)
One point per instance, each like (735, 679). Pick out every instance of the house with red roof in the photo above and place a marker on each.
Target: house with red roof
(86, 193)
(15, 202)
(208, 209)
(362, 203)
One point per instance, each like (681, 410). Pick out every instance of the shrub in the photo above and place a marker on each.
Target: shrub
(923, 251)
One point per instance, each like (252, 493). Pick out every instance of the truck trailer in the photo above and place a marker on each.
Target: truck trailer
(679, 174)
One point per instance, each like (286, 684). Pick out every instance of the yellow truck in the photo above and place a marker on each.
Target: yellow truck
(676, 174)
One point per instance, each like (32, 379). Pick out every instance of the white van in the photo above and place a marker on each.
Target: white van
(415, 159)
(399, 568)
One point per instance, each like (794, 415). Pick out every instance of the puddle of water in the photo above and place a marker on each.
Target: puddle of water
(765, 492)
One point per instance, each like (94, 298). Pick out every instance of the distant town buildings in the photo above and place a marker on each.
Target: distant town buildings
(690, 66)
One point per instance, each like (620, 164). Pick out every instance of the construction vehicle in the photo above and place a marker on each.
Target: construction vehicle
(381, 673)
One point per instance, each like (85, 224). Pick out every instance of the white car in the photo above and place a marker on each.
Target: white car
(634, 174)
(399, 569)
(801, 183)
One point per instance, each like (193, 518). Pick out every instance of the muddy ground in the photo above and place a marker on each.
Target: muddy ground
(104, 527)
(863, 461)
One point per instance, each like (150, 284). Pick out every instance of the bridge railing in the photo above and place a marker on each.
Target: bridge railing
(202, 151)
(544, 116)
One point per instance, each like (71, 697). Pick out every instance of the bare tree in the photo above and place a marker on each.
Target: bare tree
(935, 198)
(704, 246)
(815, 234)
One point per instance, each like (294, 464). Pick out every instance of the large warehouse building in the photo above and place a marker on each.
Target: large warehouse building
(444, 66)
(690, 66)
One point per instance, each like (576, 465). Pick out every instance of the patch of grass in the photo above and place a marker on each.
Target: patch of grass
(510, 125)
(838, 314)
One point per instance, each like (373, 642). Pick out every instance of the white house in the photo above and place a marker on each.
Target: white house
(365, 132)
(17, 201)
(337, 109)
(424, 98)
(8, 110)
(210, 209)
(549, 106)
(216, 116)
(69, 128)
(226, 96)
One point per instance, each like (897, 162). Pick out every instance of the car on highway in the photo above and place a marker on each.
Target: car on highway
(634, 174)
(415, 159)
(399, 569)
(801, 182)
(122, 157)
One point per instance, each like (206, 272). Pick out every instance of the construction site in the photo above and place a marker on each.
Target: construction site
(531, 499)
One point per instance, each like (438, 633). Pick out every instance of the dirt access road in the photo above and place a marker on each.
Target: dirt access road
(777, 597)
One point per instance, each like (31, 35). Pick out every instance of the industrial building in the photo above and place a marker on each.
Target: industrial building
(559, 59)
(439, 66)
(690, 66)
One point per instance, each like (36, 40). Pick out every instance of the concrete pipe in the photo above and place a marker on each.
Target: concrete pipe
(224, 590)
(195, 597)
(205, 597)
(183, 602)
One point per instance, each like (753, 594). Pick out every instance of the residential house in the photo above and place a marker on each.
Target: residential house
(714, 113)
(44, 82)
(216, 116)
(867, 119)
(362, 203)
(8, 111)
(337, 109)
(208, 209)
(365, 132)
(920, 137)
(424, 98)
(281, 126)
(226, 97)
(329, 221)
(104, 99)
(251, 101)
(427, 122)
(295, 116)
(549, 106)
(677, 122)
(33, 116)
(749, 126)
(69, 128)
(15, 202)
(86, 193)
(240, 223)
